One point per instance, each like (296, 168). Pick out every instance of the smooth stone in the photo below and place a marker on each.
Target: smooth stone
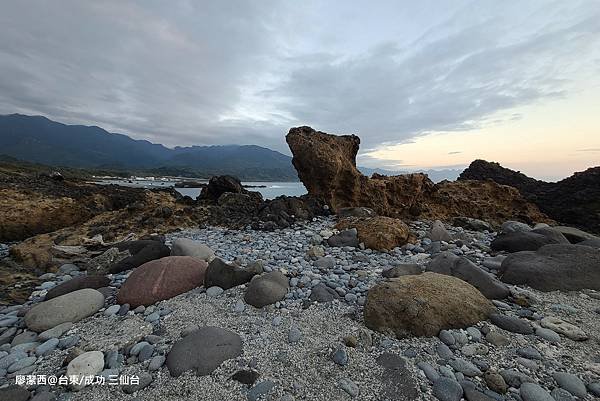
(444, 351)
(144, 381)
(349, 387)
(512, 324)
(112, 310)
(571, 383)
(56, 331)
(465, 367)
(566, 329)
(21, 364)
(529, 353)
(226, 276)
(259, 390)
(70, 307)
(547, 334)
(24, 338)
(534, 392)
(445, 389)
(14, 393)
(294, 334)
(195, 249)
(497, 339)
(340, 356)
(560, 394)
(214, 291)
(146, 353)
(78, 283)
(156, 362)
(429, 371)
(47, 347)
(87, 364)
(266, 289)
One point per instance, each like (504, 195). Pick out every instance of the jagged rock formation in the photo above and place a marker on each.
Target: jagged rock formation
(574, 200)
(326, 164)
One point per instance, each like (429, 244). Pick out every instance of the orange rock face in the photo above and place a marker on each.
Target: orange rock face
(379, 232)
(326, 165)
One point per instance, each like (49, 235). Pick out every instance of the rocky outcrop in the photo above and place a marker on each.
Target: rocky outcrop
(379, 233)
(572, 201)
(326, 164)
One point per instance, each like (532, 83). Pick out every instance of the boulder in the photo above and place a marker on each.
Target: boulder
(227, 276)
(438, 232)
(195, 249)
(422, 305)
(379, 233)
(355, 212)
(203, 350)
(326, 165)
(100, 265)
(218, 185)
(321, 293)
(574, 235)
(161, 279)
(452, 265)
(554, 267)
(266, 289)
(70, 307)
(141, 251)
(14, 392)
(593, 242)
(512, 226)
(344, 238)
(78, 283)
(527, 241)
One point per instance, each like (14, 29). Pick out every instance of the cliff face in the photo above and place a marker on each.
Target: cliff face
(572, 201)
(326, 164)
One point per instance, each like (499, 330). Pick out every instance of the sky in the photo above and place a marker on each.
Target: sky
(432, 84)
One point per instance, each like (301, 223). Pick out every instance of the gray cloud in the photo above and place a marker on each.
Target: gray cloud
(203, 72)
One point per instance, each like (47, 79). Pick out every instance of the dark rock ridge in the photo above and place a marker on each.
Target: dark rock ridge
(326, 164)
(574, 200)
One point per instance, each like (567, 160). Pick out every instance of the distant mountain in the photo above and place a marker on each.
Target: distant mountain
(40, 140)
(434, 175)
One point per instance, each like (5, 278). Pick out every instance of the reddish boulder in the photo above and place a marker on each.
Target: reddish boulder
(162, 279)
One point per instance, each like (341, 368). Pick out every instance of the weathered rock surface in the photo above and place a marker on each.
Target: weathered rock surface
(554, 267)
(452, 265)
(78, 283)
(70, 307)
(195, 249)
(87, 364)
(380, 233)
(142, 251)
(203, 351)
(162, 279)
(527, 241)
(326, 164)
(421, 305)
(571, 201)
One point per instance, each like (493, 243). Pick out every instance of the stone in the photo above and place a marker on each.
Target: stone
(24, 337)
(527, 241)
(594, 388)
(379, 233)
(514, 378)
(344, 238)
(554, 267)
(294, 334)
(322, 293)
(574, 235)
(203, 351)
(529, 352)
(162, 279)
(47, 347)
(355, 212)
(100, 265)
(452, 265)
(465, 367)
(195, 249)
(87, 364)
(142, 251)
(14, 393)
(227, 276)
(56, 331)
(246, 376)
(156, 362)
(70, 307)
(266, 289)
(325, 263)
(260, 389)
(21, 364)
(44, 396)
(511, 323)
(396, 379)
(214, 291)
(78, 283)
(571, 383)
(144, 381)
(560, 394)
(495, 381)
(445, 389)
(349, 387)
(421, 305)
(112, 310)
(512, 226)
(406, 269)
(547, 334)
(340, 356)
(566, 329)
(534, 392)
(472, 224)
(439, 233)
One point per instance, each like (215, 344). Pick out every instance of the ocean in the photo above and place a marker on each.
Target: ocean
(268, 189)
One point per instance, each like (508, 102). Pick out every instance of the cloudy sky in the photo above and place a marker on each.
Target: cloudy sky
(428, 84)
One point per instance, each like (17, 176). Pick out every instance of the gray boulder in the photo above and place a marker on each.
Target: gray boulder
(345, 238)
(527, 241)
(266, 289)
(195, 249)
(227, 276)
(451, 265)
(554, 267)
(203, 350)
(402, 270)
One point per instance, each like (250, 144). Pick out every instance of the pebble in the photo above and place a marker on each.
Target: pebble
(429, 371)
(349, 387)
(156, 362)
(547, 334)
(259, 390)
(571, 383)
(529, 353)
(214, 291)
(112, 310)
(144, 381)
(465, 367)
(340, 356)
(534, 392)
(21, 364)
(56, 331)
(47, 347)
(446, 389)
(294, 334)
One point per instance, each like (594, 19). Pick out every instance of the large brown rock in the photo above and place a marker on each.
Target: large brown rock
(424, 304)
(162, 279)
(78, 283)
(326, 165)
(380, 233)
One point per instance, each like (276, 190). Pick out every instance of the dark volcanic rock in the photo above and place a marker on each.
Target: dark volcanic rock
(203, 351)
(554, 267)
(226, 276)
(78, 283)
(142, 251)
(527, 241)
(398, 383)
(219, 185)
(574, 200)
(452, 265)
(266, 289)
(322, 293)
